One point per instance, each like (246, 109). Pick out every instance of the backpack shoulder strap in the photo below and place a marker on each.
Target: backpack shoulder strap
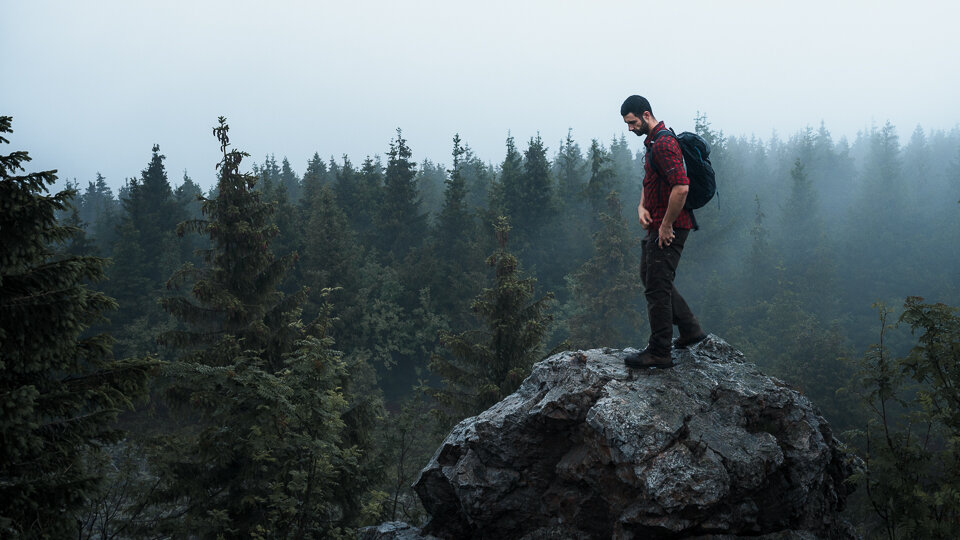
(665, 131)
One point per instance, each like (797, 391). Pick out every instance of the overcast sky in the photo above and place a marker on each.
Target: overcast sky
(92, 85)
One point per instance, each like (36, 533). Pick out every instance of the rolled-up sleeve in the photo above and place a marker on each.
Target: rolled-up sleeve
(669, 160)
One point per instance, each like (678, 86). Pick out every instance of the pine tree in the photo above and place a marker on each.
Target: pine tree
(273, 441)
(479, 180)
(401, 226)
(189, 197)
(573, 230)
(268, 174)
(290, 230)
(371, 192)
(330, 256)
(486, 364)
(627, 170)
(431, 179)
(876, 224)
(99, 209)
(807, 257)
(290, 182)
(569, 169)
(153, 212)
(60, 389)
(348, 188)
(237, 303)
(535, 204)
(314, 177)
(78, 245)
(602, 180)
(145, 254)
(606, 290)
(762, 272)
(506, 191)
(454, 245)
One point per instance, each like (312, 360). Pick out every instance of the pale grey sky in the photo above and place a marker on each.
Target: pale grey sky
(93, 85)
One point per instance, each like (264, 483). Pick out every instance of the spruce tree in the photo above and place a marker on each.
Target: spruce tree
(359, 195)
(876, 223)
(330, 256)
(454, 245)
(100, 210)
(807, 257)
(484, 365)
(401, 225)
(290, 229)
(60, 388)
(314, 177)
(237, 303)
(626, 170)
(189, 197)
(603, 179)
(431, 179)
(606, 290)
(535, 202)
(153, 214)
(505, 194)
(290, 182)
(569, 170)
(271, 453)
(79, 244)
(370, 197)
(146, 252)
(478, 177)
(268, 174)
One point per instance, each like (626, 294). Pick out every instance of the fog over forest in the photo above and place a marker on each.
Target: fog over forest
(810, 248)
(263, 325)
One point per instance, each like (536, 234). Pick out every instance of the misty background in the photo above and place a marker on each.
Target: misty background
(94, 85)
(367, 255)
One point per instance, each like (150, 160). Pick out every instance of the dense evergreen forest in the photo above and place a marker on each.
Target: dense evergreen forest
(276, 351)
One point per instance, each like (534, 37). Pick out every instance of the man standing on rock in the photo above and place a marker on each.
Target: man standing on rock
(667, 222)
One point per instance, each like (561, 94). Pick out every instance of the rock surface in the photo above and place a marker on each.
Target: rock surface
(587, 448)
(393, 530)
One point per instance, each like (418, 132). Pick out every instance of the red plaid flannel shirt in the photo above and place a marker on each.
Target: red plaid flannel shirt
(659, 181)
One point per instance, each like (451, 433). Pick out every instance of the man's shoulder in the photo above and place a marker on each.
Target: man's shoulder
(664, 138)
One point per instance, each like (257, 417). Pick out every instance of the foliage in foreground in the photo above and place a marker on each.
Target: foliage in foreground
(911, 444)
(266, 449)
(60, 388)
(487, 364)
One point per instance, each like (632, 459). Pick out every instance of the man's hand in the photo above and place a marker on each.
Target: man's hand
(644, 216)
(678, 196)
(666, 235)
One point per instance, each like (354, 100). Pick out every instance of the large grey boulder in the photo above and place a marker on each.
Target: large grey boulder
(392, 530)
(587, 448)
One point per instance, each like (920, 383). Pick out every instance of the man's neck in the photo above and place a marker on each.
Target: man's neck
(651, 125)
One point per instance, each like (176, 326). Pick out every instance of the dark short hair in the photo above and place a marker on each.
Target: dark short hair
(635, 104)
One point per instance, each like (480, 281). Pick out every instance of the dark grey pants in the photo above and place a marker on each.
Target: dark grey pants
(665, 306)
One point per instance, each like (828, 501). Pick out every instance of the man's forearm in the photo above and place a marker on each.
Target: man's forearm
(678, 196)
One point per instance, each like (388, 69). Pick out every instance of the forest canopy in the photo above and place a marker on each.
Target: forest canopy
(310, 333)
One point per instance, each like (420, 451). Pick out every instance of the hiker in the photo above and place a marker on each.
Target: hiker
(667, 222)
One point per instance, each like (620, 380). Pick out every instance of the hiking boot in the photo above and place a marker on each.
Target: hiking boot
(647, 359)
(684, 342)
